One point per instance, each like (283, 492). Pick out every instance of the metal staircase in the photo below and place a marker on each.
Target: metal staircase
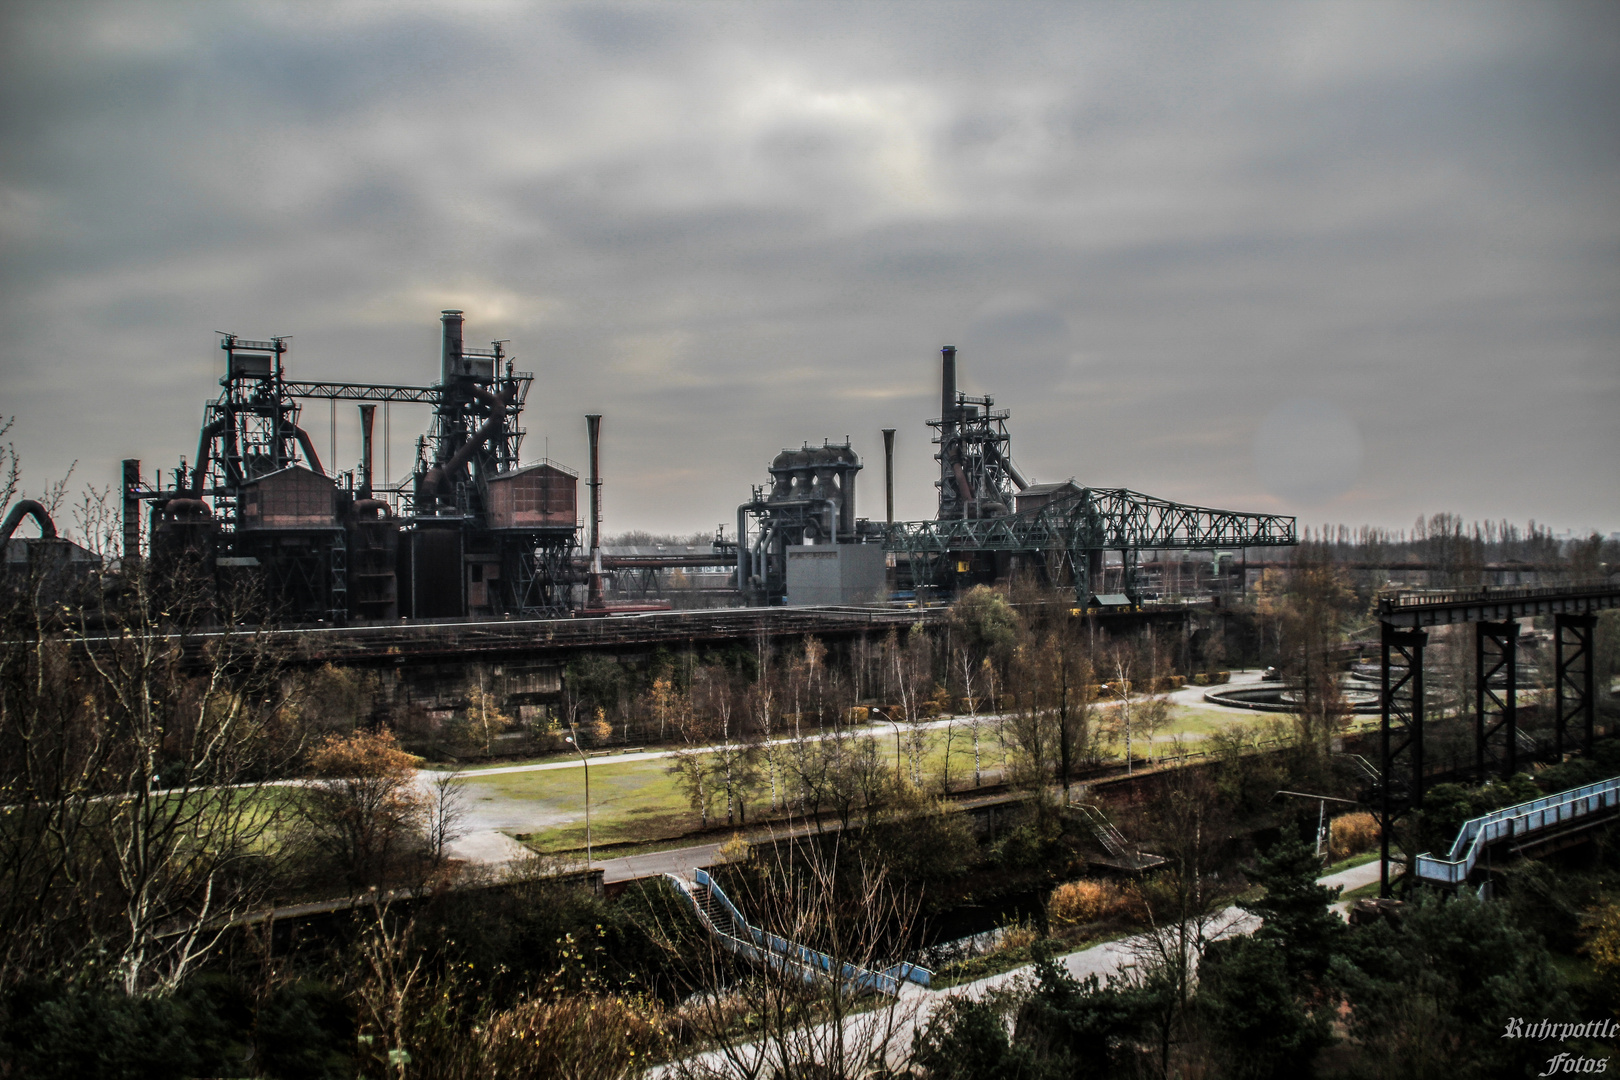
(735, 934)
(1364, 768)
(1124, 854)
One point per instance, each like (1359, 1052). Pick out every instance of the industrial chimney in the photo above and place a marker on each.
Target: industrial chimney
(368, 416)
(593, 430)
(947, 397)
(450, 355)
(888, 470)
(132, 509)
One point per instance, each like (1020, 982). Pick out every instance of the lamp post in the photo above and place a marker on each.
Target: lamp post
(887, 719)
(587, 763)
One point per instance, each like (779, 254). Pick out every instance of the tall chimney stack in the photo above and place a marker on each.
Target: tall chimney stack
(450, 354)
(132, 509)
(593, 430)
(368, 417)
(888, 470)
(947, 397)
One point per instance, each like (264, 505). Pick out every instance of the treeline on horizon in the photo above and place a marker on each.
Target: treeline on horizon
(1446, 541)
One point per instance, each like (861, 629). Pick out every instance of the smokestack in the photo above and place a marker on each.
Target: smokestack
(593, 430)
(888, 469)
(368, 415)
(947, 397)
(132, 509)
(450, 354)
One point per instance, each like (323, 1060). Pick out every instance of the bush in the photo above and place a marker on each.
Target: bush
(1079, 902)
(587, 1037)
(1351, 834)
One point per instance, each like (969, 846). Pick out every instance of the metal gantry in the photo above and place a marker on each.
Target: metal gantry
(1497, 740)
(1400, 735)
(1496, 715)
(1574, 668)
(1068, 534)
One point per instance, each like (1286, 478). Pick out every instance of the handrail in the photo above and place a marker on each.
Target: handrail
(1423, 597)
(782, 953)
(1519, 820)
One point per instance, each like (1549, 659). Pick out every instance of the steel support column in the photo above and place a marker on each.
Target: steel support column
(1496, 644)
(1400, 735)
(1577, 698)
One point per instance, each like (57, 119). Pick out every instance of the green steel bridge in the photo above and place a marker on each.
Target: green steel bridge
(1066, 537)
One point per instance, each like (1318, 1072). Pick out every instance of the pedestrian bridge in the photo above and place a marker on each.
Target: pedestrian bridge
(1540, 821)
(736, 935)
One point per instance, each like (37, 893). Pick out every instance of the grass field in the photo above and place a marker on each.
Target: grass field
(640, 803)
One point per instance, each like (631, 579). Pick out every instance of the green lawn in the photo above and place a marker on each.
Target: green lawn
(639, 802)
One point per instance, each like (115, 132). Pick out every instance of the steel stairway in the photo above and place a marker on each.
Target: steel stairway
(735, 934)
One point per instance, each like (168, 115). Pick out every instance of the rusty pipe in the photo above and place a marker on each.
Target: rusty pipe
(205, 443)
(309, 449)
(28, 508)
(1012, 471)
(499, 403)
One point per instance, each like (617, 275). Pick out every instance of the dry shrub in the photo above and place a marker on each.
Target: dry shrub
(1352, 833)
(578, 1037)
(734, 850)
(1018, 935)
(1079, 902)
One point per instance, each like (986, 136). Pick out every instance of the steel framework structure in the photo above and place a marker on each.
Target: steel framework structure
(1577, 698)
(1496, 649)
(1069, 534)
(1403, 616)
(1400, 736)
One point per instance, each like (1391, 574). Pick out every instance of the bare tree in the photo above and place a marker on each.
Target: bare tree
(689, 761)
(363, 808)
(137, 747)
(733, 763)
(447, 809)
(804, 1023)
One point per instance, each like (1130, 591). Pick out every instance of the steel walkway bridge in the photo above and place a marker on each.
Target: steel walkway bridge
(740, 938)
(1499, 746)
(1068, 534)
(1528, 825)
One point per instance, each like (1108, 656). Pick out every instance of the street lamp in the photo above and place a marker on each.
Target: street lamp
(587, 763)
(883, 714)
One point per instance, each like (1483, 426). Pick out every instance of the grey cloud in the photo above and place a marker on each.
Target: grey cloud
(736, 227)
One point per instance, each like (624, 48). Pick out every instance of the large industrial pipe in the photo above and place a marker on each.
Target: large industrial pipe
(497, 402)
(27, 508)
(368, 416)
(309, 450)
(450, 352)
(593, 433)
(1007, 466)
(947, 396)
(205, 444)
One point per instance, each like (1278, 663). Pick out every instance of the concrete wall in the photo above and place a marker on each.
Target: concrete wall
(820, 574)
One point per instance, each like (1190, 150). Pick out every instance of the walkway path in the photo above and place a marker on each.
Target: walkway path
(911, 1012)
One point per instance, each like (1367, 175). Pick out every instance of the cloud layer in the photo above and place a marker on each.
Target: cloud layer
(733, 227)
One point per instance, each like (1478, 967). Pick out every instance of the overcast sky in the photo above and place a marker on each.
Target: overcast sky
(1354, 262)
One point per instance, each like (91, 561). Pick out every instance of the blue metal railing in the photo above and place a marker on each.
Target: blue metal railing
(783, 954)
(1514, 822)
